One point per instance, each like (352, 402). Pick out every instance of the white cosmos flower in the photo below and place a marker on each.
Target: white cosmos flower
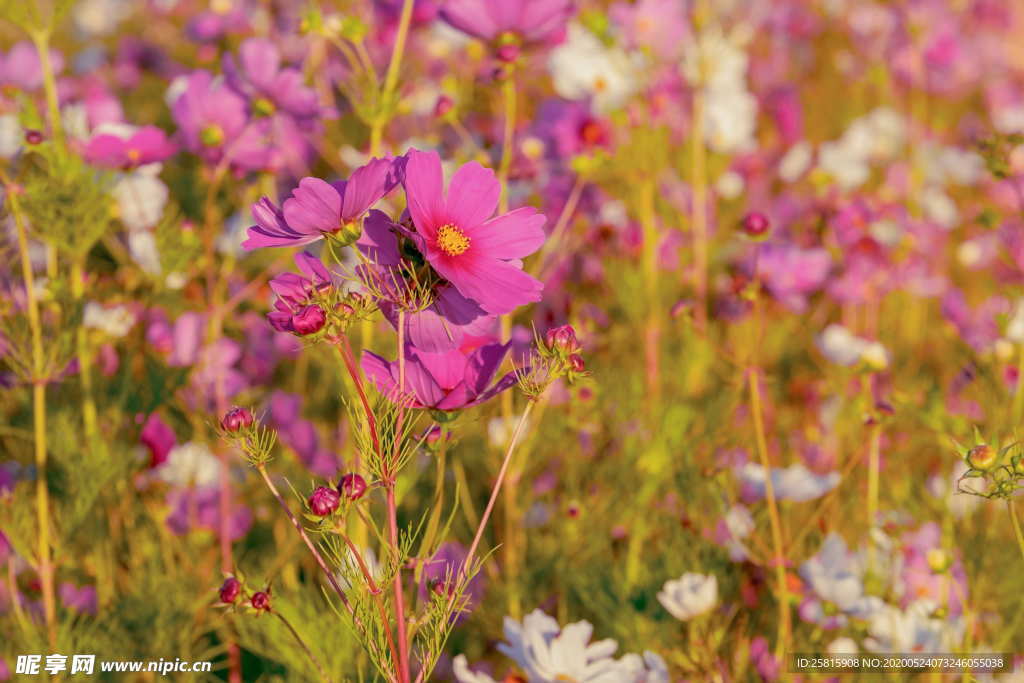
(843, 347)
(689, 596)
(141, 197)
(499, 430)
(939, 207)
(12, 135)
(731, 120)
(96, 18)
(583, 67)
(548, 653)
(912, 629)
(796, 482)
(1015, 328)
(190, 463)
(142, 246)
(372, 566)
(843, 646)
(796, 161)
(836, 577)
(115, 321)
(463, 674)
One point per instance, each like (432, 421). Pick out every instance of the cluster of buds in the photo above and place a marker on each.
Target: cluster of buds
(325, 500)
(557, 356)
(309, 305)
(239, 428)
(1001, 470)
(233, 593)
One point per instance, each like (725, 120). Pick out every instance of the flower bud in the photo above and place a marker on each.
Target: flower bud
(563, 339)
(33, 137)
(938, 560)
(347, 233)
(508, 53)
(261, 601)
(212, 136)
(576, 363)
(309, 320)
(324, 501)
(352, 486)
(236, 419)
(755, 224)
(230, 590)
(433, 435)
(443, 105)
(982, 457)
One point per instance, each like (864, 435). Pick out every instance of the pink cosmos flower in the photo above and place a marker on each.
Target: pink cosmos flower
(443, 324)
(159, 438)
(525, 21)
(318, 208)
(293, 308)
(210, 115)
(442, 381)
(477, 254)
(147, 145)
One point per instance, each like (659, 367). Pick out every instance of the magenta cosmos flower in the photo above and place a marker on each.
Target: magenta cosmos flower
(477, 254)
(210, 115)
(147, 145)
(442, 381)
(510, 21)
(318, 208)
(443, 324)
(260, 77)
(294, 310)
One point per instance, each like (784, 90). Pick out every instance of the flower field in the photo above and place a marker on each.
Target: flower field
(497, 341)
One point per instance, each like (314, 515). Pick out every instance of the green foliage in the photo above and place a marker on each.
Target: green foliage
(66, 200)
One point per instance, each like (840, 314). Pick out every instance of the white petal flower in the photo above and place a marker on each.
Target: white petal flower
(796, 161)
(115, 321)
(796, 482)
(547, 653)
(190, 463)
(689, 596)
(583, 67)
(12, 135)
(141, 197)
(460, 667)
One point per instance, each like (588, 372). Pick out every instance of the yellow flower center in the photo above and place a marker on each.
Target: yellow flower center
(451, 240)
(565, 677)
(134, 155)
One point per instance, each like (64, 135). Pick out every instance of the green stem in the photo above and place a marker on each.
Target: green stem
(873, 468)
(89, 415)
(773, 512)
(468, 563)
(383, 114)
(508, 89)
(41, 39)
(1016, 525)
(38, 417)
(699, 209)
(652, 336)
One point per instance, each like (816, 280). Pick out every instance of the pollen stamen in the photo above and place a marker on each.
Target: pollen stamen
(451, 240)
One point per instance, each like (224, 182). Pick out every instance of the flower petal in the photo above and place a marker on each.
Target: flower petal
(366, 186)
(473, 194)
(513, 235)
(424, 189)
(314, 207)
